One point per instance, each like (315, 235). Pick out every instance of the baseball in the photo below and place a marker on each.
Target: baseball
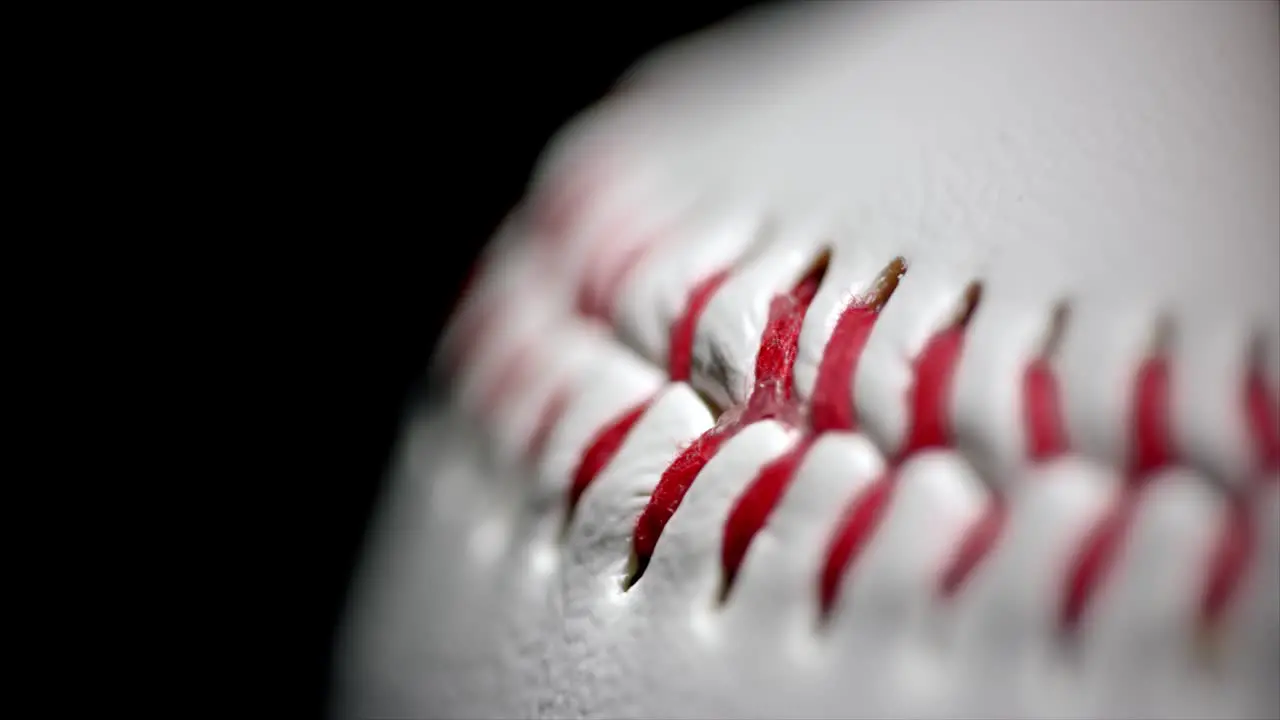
(863, 360)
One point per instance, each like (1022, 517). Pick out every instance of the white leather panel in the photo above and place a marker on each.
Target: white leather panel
(1120, 160)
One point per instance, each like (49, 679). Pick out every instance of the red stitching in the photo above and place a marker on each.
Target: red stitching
(607, 297)
(670, 490)
(1262, 412)
(929, 428)
(1042, 415)
(548, 418)
(863, 518)
(1152, 451)
(1228, 561)
(771, 397)
(680, 360)
(1095, 557)
(601, 450)
(831, 408)
(934, 369)
(509, 375)
(753, 507)
(597, 289)
(1152, 442)
(1046, 439)
(1237, 541)
(780, 343)
(977, 542)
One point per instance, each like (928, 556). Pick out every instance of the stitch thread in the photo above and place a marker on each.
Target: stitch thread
(680, 356)
(753, 506)
(547, 420)
(860, 522)
(1227, 561)
(1152, 441)
(1046, 434)
(928, 428)
(934, 368)
(1094, 558)
(1152, 451)
(1264, 422)
(513, 369)
(596, 294)
(832, 408)
(601, 450)
(973, 547)
(770, 398)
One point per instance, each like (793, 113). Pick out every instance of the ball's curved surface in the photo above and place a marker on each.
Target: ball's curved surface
(901, 360)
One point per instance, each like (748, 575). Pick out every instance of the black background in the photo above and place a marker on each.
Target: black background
(406, 142)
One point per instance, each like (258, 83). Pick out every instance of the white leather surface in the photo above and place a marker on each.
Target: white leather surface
(1120, 158)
